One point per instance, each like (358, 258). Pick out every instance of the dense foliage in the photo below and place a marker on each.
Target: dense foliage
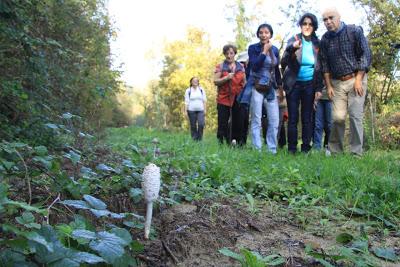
(54, 58)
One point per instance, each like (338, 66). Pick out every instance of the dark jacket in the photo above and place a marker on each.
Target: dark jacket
(291, 63)
(256, 61)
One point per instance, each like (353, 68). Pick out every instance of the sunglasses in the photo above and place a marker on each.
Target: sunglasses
(330, 18)
(307, 24)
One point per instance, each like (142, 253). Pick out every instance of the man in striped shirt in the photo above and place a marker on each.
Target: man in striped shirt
(345, 59)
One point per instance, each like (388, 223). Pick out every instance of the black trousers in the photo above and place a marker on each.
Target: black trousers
(228, 123)
(196, 119)
(243, 124)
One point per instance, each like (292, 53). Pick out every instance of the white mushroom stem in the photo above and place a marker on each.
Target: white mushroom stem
(151, 187)
(149, 214)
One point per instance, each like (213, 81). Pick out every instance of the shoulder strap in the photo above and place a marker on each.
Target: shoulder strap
(350, 31)
(190, 91)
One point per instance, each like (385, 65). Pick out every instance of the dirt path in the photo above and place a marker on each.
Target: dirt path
(191, 235)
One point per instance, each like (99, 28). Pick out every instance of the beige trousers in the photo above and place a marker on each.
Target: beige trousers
(346, 99)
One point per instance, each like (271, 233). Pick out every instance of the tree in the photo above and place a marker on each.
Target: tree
(184, 59)
(384, 22)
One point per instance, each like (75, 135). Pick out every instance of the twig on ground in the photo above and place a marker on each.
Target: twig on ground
(169, 252)
(49, 207)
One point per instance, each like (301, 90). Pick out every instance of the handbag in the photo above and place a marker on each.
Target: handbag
(264, 88)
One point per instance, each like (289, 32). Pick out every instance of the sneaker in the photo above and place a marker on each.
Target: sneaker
(327, 152)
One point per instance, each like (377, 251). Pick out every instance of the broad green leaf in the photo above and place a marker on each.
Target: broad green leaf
(136, 194)
(73, 156)
(85, 234)
(122, 233)
(79, 204)
(27, 217)
(7, 164)
(344, 238)
(67, 116)
(10, 258)
(105, 168)
(117, 215)
(95, 202)
(27, 207)
(52, 126)
(385, 253)
(109, 246)
(274, 260)
(230, 253)
(45, 160)
(134, 224)
(100, 213)
(34, 236)
(65, 262)
(87, 257)
(128, 163)
(125, 261)
(41, 151)
(137, 247)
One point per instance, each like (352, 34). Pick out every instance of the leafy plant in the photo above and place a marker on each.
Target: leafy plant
(249, 258)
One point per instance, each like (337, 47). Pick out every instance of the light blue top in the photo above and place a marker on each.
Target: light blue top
(306, 72)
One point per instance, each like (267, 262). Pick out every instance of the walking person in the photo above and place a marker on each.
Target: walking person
(264, 80)
(345, 59)
(195, 105)
(229, 77)
(302, 81)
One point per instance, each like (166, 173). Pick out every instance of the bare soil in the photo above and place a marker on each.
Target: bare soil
(192, 234)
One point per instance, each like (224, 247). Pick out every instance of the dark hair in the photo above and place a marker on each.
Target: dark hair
(265, 25)
(227, 47)
(313, 19)
(191, 79)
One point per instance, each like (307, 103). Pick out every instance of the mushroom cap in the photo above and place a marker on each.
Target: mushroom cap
(151, 182)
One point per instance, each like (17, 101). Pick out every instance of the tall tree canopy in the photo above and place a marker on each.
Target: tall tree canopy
(54, 58)
(183, 60)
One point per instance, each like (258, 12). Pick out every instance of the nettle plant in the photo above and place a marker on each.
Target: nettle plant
(32, 177)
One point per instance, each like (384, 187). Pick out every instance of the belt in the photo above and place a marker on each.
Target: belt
(346, 77)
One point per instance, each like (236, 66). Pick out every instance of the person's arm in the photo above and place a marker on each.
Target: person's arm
(329, 86)
(363, 53)
(290, 49)
(187, 100)
(278, 76)
(256, 59)
(204, 101)
(218, 80)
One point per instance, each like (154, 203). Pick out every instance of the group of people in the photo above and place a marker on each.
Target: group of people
(321, 81)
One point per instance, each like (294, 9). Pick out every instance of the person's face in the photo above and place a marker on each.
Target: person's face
(331, 20)
(230, 55)
(306, 27)
(195, 82)
(264, 35)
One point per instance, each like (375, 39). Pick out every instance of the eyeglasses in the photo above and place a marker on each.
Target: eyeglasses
(307, 24)
(329, 17)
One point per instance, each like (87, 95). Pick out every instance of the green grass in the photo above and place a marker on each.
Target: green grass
(367, 186)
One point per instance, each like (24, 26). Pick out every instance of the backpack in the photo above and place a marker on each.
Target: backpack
(190, 91)
(350, 31)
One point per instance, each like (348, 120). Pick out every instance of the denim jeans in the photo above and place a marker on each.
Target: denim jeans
(323, 123)
(302, 92)
(257, 102)
(196, 119)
